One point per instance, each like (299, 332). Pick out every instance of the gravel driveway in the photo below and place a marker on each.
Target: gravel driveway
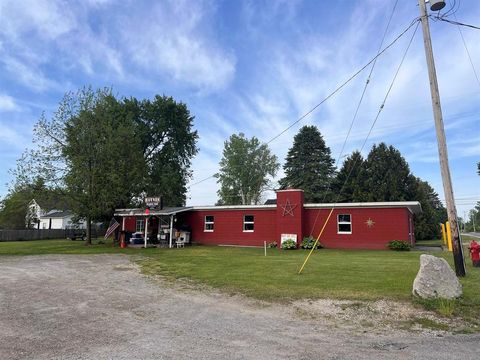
(100, 307)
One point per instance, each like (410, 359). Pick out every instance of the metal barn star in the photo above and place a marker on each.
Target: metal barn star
(288, 208)
(370, 223)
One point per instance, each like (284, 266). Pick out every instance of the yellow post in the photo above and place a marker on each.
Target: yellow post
(316, 241)
(444, 235)
(449, 236)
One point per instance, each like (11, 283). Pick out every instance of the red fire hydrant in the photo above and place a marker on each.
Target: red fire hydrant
(475, 253)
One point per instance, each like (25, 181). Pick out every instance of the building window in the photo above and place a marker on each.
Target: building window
(344, 224)
(209, 222)
(140, 225)
(248, 223)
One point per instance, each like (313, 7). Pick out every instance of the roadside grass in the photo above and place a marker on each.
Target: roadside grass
(338, 274)
(436, 242)
(62, 246)
(468, 238)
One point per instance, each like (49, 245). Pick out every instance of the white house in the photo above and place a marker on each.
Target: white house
(49, 216)
(59, 220)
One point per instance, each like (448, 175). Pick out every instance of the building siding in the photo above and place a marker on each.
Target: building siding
(389, 224)
(371, 227)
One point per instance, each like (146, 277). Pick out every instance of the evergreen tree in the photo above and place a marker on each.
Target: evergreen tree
(244, 170)
(387, 176)
(348, 184)
(427, 223)
(309, 166)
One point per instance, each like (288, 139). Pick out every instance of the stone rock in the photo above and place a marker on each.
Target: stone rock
(436, 279)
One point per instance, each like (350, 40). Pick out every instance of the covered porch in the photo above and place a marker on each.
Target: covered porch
(156, 227)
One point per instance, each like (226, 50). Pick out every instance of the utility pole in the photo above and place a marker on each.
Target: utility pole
(442, 143)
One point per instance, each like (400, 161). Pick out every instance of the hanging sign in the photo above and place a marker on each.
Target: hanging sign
(153, 202)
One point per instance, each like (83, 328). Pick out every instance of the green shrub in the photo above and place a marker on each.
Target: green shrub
(308, 242)
(399, 245)
(289, 244)
(272, 245)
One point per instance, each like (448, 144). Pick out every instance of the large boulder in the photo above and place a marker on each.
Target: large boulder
(436, 279)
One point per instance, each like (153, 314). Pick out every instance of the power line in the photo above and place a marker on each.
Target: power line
(365, 87)
(454, 22)
(468, 52)
(356, 112)
(373, 123)
(341, 86)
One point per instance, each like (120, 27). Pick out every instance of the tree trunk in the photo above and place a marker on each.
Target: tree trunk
(88, 241)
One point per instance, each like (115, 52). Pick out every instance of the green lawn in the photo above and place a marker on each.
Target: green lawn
(437, 242)
(342, 274)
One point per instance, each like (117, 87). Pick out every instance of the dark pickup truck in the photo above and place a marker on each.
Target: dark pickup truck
(76, 234)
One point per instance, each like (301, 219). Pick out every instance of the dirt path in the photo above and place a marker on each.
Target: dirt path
(100, 307)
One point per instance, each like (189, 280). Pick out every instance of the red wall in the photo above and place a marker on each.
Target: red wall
(228, 227)
(389, 224)
(130, 223)
(290, 214)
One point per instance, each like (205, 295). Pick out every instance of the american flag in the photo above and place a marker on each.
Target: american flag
(111, 228)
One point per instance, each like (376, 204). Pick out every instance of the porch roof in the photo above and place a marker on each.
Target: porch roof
(153, 212)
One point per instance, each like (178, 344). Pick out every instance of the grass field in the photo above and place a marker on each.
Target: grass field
(340, 274)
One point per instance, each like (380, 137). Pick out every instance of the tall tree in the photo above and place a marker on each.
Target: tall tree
(309, 165)
(14, 206)
(387, 175)
(348, 184)
(104, 153)
(168, 141)
(103, 159)
(86, 149)
(244, 170)
(427, 224)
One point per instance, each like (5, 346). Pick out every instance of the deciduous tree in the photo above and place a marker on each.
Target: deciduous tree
(244, 170)
(164, 128)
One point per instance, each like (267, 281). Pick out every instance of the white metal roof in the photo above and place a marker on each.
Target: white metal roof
(414, 206)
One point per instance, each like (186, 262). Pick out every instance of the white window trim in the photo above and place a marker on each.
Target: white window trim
(344, 223)
(248, 222)
(205, 222)
(142, 227)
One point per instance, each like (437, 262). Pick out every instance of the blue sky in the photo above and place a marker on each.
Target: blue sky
(252, 67)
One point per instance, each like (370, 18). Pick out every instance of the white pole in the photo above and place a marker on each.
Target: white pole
(171, 231)
(146, 230)
(123, 223)
(265, 247)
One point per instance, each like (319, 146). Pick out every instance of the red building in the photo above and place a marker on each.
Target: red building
(349, 226)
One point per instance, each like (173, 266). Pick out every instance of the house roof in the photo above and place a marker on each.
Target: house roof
(153, 212)
(50, 203)
(57, 214)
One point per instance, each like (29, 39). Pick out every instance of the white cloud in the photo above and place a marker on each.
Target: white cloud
(47, 19)
(8, 135)
(7, 103)
(171, 39)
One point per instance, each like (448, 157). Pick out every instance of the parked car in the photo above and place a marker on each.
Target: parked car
(75, 233)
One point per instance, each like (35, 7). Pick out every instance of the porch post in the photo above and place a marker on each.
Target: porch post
(146, 230)
(171, 231)
(123, 223)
